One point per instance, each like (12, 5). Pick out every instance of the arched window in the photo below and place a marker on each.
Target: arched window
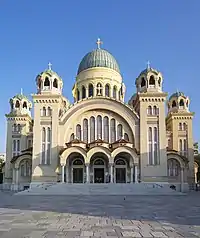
(99, 162)
(46, 82)
(181, 103)
(43, 145)
(55, 83)
(77, 162)
(150, 139)
(92, 129)
(184, 126)
(126, 137)
(99, 89)
(106, 129)
(19, 128)
(17, 104)
(49, 145)
(152, 81)
(72, 137)
(169, 143)
(99, 127)
(44, 113)
(78, 132)
(149, 110)
(174, 103)
(48, 111)
(120, 162)
(25, 105)
(154, 110)
(173, 167)
(114, 92)
(83, 92)
(85, 130)
(113, 130)
(185, 147)
(91, 90)
(156, 157)
(78, 95)
(143, 82)
(180, 126)
(107, 90)
(180, 146)
(119, 132)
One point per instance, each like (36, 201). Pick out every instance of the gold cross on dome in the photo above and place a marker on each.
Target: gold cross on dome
(99, 43)
(49, 65)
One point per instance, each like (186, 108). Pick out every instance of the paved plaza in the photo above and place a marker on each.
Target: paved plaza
(99, 216)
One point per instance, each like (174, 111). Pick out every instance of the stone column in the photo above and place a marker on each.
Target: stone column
(132, 174)
(136, 174)
(17, 176)
(63, 173)
(67, 174)
(111, 173)
(13, 175)
(87, 173)
(182, 179)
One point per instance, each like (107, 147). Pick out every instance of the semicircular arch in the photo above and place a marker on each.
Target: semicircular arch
(128, 150)
(98, 149)
(176, 157)
(27, 157)
(66, 153)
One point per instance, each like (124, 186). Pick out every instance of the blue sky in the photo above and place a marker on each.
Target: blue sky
(32, 33)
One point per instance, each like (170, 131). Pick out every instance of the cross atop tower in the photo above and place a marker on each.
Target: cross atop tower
(21, 91)
(49, 65)
(148, 64)
(99, 43)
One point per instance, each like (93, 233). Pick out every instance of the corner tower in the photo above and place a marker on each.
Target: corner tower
(149, 102)
(179, 122)
(49, 104)
(19, 131)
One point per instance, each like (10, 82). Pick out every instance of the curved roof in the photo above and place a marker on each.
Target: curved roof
(98, 58)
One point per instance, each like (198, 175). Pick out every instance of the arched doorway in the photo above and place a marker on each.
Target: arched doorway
(77, 171)
(120, 170)
(99, 170)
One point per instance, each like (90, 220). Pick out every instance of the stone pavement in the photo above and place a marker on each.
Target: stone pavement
(99, 216)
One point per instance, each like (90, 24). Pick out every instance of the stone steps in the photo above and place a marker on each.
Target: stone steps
(101, 189)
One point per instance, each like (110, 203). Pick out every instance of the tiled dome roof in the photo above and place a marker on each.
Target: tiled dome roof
(98, 58)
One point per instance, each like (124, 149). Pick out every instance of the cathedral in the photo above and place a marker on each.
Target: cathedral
(99, 138)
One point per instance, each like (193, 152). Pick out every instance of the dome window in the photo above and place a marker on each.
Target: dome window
(152, 81)
(46, 82)
(91, 90)
(17, 104)
(159, 82)
(143, 83)
(25, 105)
(55, 83)
(78, 95)
(174, 103)
(115, 92)
(83, 92)
(107, 90)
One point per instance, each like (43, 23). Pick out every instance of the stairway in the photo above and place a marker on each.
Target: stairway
(101, 189)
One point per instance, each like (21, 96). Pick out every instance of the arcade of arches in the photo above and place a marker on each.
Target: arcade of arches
(99, 169)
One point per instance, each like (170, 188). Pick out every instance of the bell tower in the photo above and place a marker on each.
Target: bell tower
(19, 129)
(149, 102)
(179, 122)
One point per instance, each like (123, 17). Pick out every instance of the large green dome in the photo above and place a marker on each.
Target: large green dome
(98, 58)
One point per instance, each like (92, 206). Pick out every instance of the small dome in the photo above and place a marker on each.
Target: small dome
(98, 58)
(177, 94)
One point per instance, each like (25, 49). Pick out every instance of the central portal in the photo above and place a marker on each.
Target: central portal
(77, 175)
(99, 175)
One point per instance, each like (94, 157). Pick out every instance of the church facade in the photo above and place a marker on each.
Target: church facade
(99, 138)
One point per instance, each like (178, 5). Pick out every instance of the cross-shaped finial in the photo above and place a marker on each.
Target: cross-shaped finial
(148, 64)
(99, 43)
(49, 65)
(21, 91)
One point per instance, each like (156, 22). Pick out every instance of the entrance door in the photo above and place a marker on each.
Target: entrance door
(77, 175)
(99, 175)
(120, 175)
